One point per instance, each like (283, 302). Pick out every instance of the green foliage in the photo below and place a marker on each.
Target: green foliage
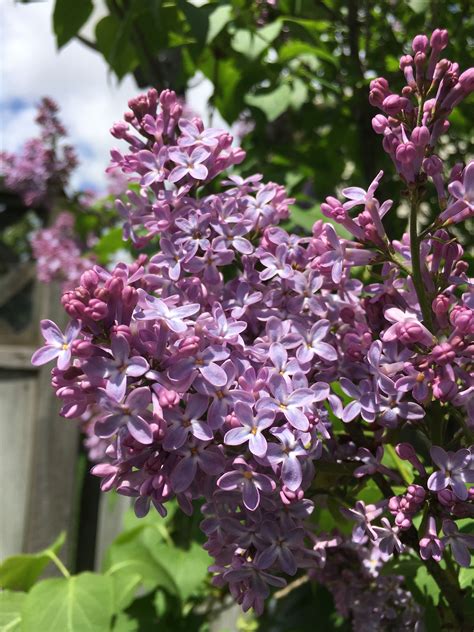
(68, 19)
(150, 577)
(20, 572)
(82, 602)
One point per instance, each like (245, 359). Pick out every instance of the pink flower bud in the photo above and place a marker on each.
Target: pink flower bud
(419, 44)
(405, 61)
(433, 165)
(439, 39)
(446, 497)
(406, 153)
(467, 81)
(441, 304)
(420, 136)
(443, 353)
(393, 104)
(379, 123)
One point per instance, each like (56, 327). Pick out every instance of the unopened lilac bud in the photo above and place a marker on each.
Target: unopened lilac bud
(440, 69)
(97, 310)
(407, 91)
(403, 521)
(441, 304)
(416, 493)
(405, 451)
(393, 104)
(433, 165)
(379, 123)
(394, 504)
(89, 279)
(419, 44)
(443, 353)
(420, 136)
(446, 497)
(406, 153)
(439, 39)
(405, 60)
(466, 81)
(82, 348)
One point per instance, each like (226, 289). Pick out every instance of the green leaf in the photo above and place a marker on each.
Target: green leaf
(125, 585)
(418, 6)
(427, 585)
(254, 43)
(272, 104)
(10, 610)
(294, 49)
(69, 17)
(187, 567)
(135, 558)
(217, 20)
(81, 603)
(466, 578)
(299, 93)
(109, 243)
(20, 572)
(124, 623)
(113, 41)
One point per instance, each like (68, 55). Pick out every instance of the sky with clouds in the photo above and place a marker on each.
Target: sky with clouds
(90, 97)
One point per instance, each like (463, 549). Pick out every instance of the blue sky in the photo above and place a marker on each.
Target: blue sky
(90, 98)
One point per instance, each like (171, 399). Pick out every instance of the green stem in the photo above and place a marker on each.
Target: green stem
(447, 583)
(416, 266)
(58, 564)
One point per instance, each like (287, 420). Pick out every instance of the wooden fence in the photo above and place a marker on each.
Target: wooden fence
(44, 486)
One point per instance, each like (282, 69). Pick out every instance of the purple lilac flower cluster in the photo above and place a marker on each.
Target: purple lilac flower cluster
(57, 253)
(42, 168)
(241, 362)
(373, 602)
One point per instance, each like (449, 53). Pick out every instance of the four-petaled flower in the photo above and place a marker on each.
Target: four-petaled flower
(454, 471)
(251, 483)
(58, 345)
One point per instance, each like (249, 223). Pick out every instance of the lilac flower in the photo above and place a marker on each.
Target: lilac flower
(287, 401)
(250, 482)
(130, 413)
(406, 328)
(243, 300)
(195, 454)
(430, 544)
(455, 471)
(251, 430)
(286, 453)
(171, 258)
(181, 423)
(230, 236)
(460, 543)
(193, 136)
(154, 162)
(117, 369)
(387, 538)
(281, 547)
(172, 317)
(205, 362)
(313, 344)
(58, 345)
(371, 463)
(223, 329)
(188, 164)
(363, 515)
(275, 265)
(281, 364)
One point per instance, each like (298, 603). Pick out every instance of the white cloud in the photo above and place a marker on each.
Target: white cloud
(90, 98)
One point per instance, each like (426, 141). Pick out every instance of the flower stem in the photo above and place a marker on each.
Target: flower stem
(415, 264)
(58, 564)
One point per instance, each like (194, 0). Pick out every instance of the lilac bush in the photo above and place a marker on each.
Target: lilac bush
(246, 366)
